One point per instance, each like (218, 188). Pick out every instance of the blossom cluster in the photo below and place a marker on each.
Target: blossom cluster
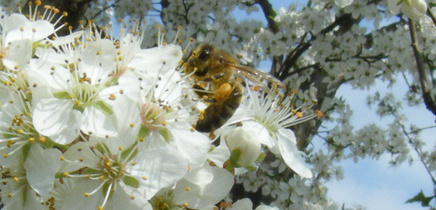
(90, 121)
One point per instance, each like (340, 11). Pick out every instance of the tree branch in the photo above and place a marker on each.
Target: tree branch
(426, 94)
(270, 14)
(431, 15)
(292, 58)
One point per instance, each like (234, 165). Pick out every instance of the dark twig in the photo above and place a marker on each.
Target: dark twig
(431, 15)
(270, 14)
(426, 94)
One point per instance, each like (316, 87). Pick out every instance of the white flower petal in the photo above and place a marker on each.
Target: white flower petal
(13, 22)
(193, 145)
(33, 201)
(97, 60)
(80, 155)
(393, 6)
(200, 176)
(415, 10)
(57, 119)
(18, 54)
(168, 90)
(219, 155)
(51, 75)
(265, 207)
(97, 123)
(33, 31)
(161, 167)
(202, 196)
(247, 142)
(243, 204)
(70, 38)
(76, 199)
(290, 153)
(260, 131)
(41, 166)
(343, 3)
(158, 59)
(121, 199)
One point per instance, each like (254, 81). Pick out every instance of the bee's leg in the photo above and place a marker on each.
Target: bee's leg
(223, 92)
(218, 76)
(200, 91)
(220, 95)
(216, 114)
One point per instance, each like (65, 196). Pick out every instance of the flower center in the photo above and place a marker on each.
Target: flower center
(153, 116)
(84, 92)
(111, 168)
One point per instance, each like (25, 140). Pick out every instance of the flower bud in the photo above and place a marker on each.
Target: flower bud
(413, 9)
(246, 142)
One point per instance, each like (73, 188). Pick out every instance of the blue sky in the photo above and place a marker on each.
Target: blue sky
(373, 184)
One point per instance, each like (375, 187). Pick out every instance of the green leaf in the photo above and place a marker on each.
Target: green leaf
(143, 132)
(234, 156)
(251, 168)
(420, 197)
(106, 188)
(103, 107)
(101, 148)
(48, 143)
(62, 95)
(90, 171)
(25, 152)
(261, 157)
(165, 134)
(128, 154)
(130, 181)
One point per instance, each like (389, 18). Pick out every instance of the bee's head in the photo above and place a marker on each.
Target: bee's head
(199, 60)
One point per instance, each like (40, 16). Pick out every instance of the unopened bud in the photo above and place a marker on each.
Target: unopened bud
(246, 142)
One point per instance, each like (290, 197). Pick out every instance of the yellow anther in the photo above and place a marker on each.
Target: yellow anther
(319, 113)
(299, 114)
(41, 139)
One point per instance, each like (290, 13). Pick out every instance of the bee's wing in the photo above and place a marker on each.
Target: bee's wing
(257, 77)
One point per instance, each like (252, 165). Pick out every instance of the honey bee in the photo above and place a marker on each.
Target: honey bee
(218, 77)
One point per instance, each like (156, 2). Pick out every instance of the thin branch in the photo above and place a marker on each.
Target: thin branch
(291, 60)
(431, 15)
(415, 147)
(421, 129)
(426, 94)
(270, 14)
(104, 9)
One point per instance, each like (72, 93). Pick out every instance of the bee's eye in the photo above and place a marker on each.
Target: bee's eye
(204, 55)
